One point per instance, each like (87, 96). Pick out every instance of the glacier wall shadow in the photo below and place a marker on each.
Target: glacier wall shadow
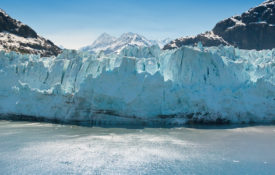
(141, 86)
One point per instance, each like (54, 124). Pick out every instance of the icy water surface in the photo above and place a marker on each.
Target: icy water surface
(41, 148)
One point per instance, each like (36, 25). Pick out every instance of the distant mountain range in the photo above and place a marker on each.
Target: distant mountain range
(16, 36)
(110, 44)
(254, 29)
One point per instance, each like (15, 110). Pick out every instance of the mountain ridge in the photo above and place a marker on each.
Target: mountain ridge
(253, 29)
(110, 44)
(19, 37)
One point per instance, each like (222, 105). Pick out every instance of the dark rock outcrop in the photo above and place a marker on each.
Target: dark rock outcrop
(254, 29)
(18, 37)
(207, 39)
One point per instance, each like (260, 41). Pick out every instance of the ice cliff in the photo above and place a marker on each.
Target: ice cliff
(141, 85)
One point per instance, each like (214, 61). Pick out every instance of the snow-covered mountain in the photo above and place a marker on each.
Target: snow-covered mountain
(110, 44)
(254, 29)
(161, 43)
(18, 37)
(103, 42)
(207, 39)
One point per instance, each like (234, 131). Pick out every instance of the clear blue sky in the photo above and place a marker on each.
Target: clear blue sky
(76, 23)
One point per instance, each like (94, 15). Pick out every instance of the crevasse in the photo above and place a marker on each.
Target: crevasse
(141, 85)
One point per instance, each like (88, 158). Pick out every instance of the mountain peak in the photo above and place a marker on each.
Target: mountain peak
(10, 25)
(129, 34)
(115, 45)
(105, 36)
(269, 2)
(103, 41)
(18, 37)
(3, 12)
(253, 29)
(132, 36)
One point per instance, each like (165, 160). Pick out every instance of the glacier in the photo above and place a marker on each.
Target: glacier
(141, 85)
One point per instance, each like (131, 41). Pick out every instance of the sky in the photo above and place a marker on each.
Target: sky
(77, 23)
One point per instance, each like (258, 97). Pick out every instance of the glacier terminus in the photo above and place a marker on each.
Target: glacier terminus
(143, 85)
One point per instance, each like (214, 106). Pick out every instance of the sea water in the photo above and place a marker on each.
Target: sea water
(43, 148)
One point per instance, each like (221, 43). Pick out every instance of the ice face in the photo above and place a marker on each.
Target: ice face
(142, 84)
